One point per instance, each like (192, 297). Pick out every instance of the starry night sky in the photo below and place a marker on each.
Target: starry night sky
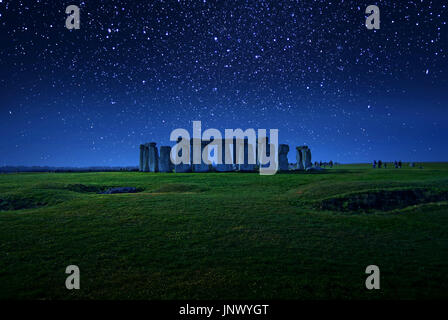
(136, 70)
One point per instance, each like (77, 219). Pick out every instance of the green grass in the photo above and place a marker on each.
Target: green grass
(221, 236)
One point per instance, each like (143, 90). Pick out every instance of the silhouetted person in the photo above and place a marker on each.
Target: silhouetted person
(399, 164)
(331, 163)
(396, 164)
(380, 163)
(374, 164)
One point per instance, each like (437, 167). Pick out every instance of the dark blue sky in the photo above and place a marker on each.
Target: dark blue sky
(136, 71)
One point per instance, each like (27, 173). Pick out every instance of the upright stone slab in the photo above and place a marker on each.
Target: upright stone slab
(308, 163)
(225, 167)
(235, 164)
(165, 160)
(145, 166)
(258, 162)
(283, 157)
(246, 166)
(183, 167)
(303, 158)
(299, 158)
(202, 167)
(153, 155)
(142, 156)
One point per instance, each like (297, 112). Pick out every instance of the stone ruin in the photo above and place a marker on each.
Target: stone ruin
(150, 161)
(223, 167)
(165, 164)
(183, 167)
(149, 158)
(202, 167)
(190, 167)
(144, 167)
(303, 158)
(244, 165)
(283, 164)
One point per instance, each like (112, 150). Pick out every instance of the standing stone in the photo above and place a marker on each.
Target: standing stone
(266, 145)
(145, 166)
(165, 160)
(246, 166)
(303, 158)
(283, 157)
(142, 156)
(225, 167)
(235, 164)
(307, 160)
(299, 158)
(202, 167)
(153, 155)
(183, 167)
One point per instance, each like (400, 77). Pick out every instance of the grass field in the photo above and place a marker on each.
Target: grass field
(226, 235)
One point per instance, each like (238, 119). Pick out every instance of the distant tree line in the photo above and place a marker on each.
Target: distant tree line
(13, 169)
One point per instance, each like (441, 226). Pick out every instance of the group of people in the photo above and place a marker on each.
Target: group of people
(380, 164)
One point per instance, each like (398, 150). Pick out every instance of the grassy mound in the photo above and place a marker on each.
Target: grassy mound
(383, 200)
(20, 202)
(81, 188)
(32, 199)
